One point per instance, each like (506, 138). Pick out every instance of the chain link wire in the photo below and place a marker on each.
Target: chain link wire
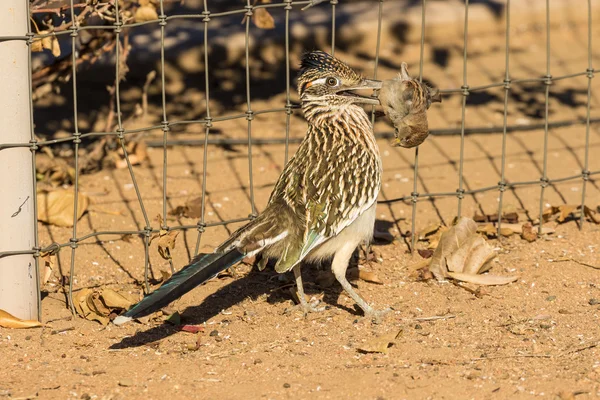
(288, 109)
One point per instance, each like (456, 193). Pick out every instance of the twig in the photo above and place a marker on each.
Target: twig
(591, 346)
(434, 318)
(514, 356)
(57, 331)
(564, 259)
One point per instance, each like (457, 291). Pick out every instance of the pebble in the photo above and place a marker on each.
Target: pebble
(550, 298)
(593, 302)
(287, 385)
(214, 333)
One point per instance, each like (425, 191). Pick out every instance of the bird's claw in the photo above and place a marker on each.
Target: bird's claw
(377, 316)
(306, 308)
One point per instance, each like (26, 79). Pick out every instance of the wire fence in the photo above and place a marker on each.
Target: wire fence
(209, 120)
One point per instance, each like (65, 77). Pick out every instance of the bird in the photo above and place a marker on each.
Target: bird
(405, 101)
(322, 205)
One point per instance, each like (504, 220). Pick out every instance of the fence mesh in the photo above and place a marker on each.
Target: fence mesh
(206, 17)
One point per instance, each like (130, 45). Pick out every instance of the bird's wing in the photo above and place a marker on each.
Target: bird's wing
(330, 201)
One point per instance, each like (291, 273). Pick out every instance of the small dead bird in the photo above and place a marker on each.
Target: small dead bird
(405, 101)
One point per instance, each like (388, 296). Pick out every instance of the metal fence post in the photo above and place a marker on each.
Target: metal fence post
(18, 277)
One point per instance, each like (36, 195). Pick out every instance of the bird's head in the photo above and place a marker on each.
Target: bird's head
(323, 77)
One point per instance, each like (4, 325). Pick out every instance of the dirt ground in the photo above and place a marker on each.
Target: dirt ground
(537, 337)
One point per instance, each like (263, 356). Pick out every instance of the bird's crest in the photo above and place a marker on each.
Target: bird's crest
(317, 64)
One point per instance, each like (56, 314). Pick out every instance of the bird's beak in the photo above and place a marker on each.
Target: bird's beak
(365, 84)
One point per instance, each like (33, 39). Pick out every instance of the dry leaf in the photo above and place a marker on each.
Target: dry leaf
(487, 279)
(165, 275)
(562, 212)
(518, 228)
(491, 230)
(192, 328)
(166, 243)
(450, 241)
(263, 19)
(368, 276)
(509, 215)
(46, 43)
(10, 321)
(591, 214)
(48, 259)
(146, 13)
(381, 343)
(191, 209)
(56, 207)
(471, 257)
(114, 300)
(98, 305)
(463, 255)
(428, 231)
(82, 307)
(137, 153)
(565, 210)
(528, 233)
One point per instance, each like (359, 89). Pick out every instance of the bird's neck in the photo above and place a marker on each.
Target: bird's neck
(351, 122)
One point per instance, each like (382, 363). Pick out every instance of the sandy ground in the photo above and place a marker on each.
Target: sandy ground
(537, 337)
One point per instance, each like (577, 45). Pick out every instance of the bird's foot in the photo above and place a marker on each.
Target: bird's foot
(306, 307)
(376, 316)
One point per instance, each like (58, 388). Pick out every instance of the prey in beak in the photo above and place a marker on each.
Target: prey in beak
(363, 85)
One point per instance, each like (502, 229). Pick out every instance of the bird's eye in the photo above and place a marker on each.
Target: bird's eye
(332, 81)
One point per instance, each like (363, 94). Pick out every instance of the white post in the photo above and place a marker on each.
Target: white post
(18, 278)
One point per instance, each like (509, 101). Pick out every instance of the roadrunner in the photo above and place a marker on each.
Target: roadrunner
(324, 202)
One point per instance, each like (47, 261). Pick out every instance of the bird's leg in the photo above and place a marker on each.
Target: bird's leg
(339, 267)
(304, 305)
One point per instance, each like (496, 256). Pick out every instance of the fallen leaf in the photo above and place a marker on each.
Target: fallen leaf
(166, 243)
(491, 230)
(509, 215)
(564, 211)
(487, 279)
(463, 255)
(46, 43)
(57, 207)
(98, 305)
(146, 13)
(471, 257)
(191, 209)
(368, 276)
(518, 228)
(192, 328)
(164, 276)
(528, 233)
(82, 307)
(425, 253)
(428, 231)
(136, 155)
(263, 19)
(381, 343)
(48, 259)
(8, 320)
(114, 300)
(450, 241)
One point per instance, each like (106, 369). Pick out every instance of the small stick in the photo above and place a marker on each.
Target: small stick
(434, 318)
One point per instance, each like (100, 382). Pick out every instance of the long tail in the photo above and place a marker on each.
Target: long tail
(196, 273)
